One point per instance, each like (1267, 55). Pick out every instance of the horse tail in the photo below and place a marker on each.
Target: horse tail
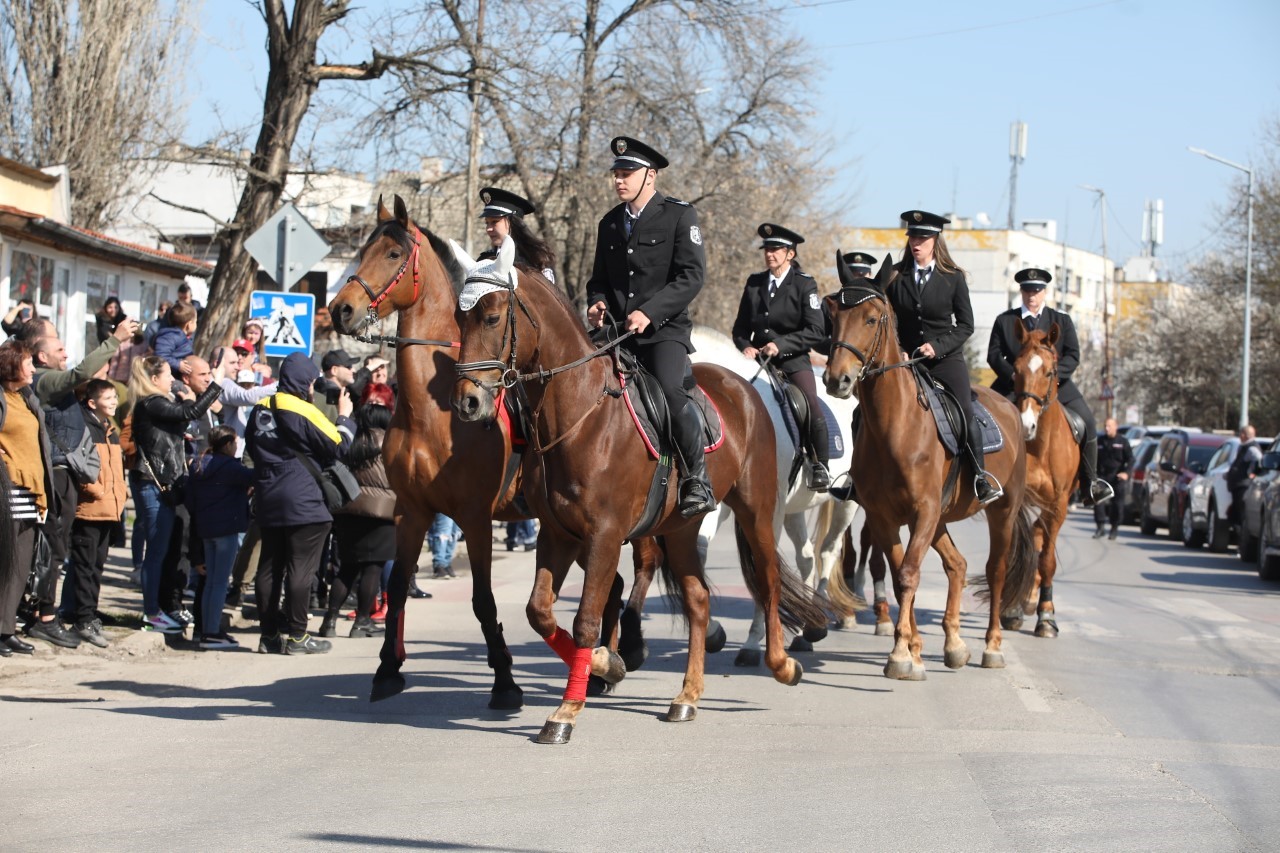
(673, 590)
(798, 606)
(1023, 561)
(843, 601)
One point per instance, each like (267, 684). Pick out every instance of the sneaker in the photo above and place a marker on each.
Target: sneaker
(271, 644)
(53, 632)
(448, 572)
(306, 645)
(164, 623)
(182, 616)
(91, 632)
(437, 573)
(218, 641)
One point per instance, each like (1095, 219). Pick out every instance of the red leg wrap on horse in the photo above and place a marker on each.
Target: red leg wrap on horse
(563, 645)
(579, 673)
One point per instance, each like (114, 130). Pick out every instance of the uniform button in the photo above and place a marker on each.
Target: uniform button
(631, 251)
(633, 272)
(631, 296)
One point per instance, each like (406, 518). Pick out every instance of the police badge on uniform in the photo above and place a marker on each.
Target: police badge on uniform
(813, 301)
(695, 235)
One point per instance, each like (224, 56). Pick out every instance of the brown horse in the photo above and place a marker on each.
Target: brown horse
(900, 467)
(588, 474)
(1053, 457)
(435, 464)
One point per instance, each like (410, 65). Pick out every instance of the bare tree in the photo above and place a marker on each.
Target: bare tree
(292, 78)
(90, 85)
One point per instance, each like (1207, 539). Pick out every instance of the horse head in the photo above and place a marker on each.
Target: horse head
(1035, 375)
(863, 330)
(388, 276)
(491, 343)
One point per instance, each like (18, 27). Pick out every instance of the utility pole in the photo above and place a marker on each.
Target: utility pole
(1017, 153)
(1108, 394)
(475, 136)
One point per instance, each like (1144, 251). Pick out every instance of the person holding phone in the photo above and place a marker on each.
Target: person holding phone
(21, 311)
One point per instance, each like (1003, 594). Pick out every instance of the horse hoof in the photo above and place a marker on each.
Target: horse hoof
(884, 629)
(507, 699)
(993, 660)
(608, 665)
(1046, 628)
(386, 685)
(681, 713)
(1011, 623)
(848, 623)
(716, 638)
(553, 732)
(815, 633)
(597, 686)
(747, 657)
(800, 644)
(956, 658)
(797, 673)
(904, 670)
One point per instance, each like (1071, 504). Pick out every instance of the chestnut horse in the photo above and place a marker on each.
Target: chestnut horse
(587, 477)
(1053, 457)
(435, 463)
(900, 467)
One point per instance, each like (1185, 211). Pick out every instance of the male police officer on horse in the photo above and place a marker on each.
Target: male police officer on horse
(649, 265)
(1033, 315)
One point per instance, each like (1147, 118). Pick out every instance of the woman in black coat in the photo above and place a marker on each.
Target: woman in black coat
(780, 317)
(930, 298)
(159, 429)
(111, 315)
(365, 529)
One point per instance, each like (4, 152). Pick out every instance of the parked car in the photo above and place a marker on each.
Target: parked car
(1269, 539)
(1182, 455)
(1249, 531)
(1135, 433)
(1204, 520)
(1136, 493)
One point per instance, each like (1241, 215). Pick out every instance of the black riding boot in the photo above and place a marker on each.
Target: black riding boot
(819, 453)
(696, 496)
(1094, 489)
(986, 487)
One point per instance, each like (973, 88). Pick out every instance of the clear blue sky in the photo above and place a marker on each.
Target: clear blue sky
(915, 100)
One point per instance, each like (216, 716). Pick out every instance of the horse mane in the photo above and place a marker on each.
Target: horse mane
(393, 229)
(558, 294)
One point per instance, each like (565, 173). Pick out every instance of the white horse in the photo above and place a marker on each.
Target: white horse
(795, 499)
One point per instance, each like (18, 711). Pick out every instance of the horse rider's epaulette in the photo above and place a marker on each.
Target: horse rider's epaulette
(678, 201)
(803, 274)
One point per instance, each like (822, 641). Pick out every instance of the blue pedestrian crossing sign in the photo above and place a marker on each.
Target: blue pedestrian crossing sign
(288, 321)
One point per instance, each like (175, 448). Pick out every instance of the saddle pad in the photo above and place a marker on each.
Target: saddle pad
(835, 435)
(992, 438)
(647, 422)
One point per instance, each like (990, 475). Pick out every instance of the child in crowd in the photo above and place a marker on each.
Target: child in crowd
(173, 342)
(218, 501)
(98, 512)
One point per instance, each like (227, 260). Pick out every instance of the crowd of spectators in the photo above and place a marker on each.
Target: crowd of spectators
(219, 461)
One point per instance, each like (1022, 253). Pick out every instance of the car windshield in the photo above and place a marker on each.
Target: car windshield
(1199, 454)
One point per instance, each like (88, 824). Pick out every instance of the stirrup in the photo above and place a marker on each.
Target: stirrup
(1100, 490)
(845, 492)
(691, 504)
(997, 490)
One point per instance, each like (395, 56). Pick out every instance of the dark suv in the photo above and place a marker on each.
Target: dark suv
(1182, 455)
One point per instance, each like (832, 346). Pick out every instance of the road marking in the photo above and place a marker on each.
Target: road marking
(1024, 683)
(1195, 608)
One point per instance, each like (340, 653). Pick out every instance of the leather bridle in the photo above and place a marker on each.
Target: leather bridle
(376, 299)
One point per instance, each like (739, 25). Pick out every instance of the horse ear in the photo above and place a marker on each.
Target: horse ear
(402, 212)
(1020, 334)
(886, 274)
(842, 269)
(506, 257)
(1055, 332)
(384, 215)
(462, 257)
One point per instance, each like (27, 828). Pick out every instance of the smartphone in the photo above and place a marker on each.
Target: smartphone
(217, 357)
(331, 395)
(25, 314)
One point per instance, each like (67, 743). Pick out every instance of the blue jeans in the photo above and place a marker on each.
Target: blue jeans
(219, 558)
(521, 532)
(444, 540)
(156, 522)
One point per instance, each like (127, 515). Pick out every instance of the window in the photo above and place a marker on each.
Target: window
(31, 277)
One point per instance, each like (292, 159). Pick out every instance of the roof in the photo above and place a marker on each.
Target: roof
(59, 234)
(28, 171)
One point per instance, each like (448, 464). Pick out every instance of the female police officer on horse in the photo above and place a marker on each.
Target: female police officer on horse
(780, 317)
(649, 265)
(503, 214)
(935, 318)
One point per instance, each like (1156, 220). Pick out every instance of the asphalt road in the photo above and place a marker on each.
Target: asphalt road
(1151, 723)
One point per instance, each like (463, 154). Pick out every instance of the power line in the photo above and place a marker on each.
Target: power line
(990, 26)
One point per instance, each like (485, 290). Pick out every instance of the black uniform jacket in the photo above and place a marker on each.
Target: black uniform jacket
(1114, 456)
(942, 315)
(1003, 350)
(659, 270)
(792, 319)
